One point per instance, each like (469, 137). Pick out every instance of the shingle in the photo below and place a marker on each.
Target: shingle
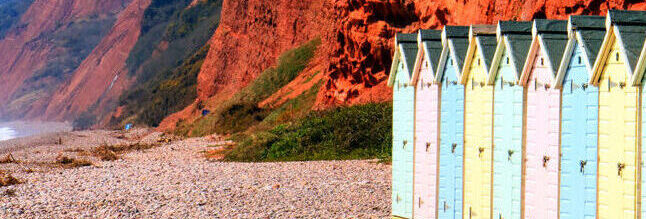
(426, 35)
(460, 47)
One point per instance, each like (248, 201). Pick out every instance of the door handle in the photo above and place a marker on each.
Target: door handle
(620, 168)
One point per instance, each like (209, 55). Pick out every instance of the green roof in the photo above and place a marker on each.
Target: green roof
(458, 37)
(456, 31)
(550, 26)
(432, 43)
(409, 54)
(591, 30)
(406, 38)
(519, 36)
(554, 38)
(631, 26)
(487, 44)
(624, 17)
(515, 27)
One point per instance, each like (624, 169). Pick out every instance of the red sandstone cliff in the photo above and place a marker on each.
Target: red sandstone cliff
(356, 35)
(27, 48)
(102, 76)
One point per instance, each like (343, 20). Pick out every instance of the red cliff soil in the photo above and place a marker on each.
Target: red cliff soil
(102, 76)
(26, 48)
(251, 35)
(357, 41)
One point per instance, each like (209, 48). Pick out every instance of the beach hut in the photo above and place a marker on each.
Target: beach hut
(426, 123)
(543, 118)
(514, 39)
(618, 143)
(478, 122)
(579, 113)
(454, 48)
(401, 73)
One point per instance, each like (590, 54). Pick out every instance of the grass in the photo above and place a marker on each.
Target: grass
(149, 103)
(356, 132)
(241, 111)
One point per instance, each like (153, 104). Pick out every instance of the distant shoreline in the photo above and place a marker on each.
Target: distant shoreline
(30, 128)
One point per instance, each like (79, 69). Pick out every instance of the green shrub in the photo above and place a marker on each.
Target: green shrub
(84, 121)
(356, 132)
(149, 103)
(241, 111)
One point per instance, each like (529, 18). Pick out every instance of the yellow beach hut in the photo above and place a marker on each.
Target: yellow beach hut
(478, 126)
(618, 149)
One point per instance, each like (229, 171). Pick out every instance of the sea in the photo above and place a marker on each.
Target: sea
(18, 129)
(7, 133)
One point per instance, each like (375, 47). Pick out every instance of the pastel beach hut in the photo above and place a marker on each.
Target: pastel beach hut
(543, 119)
(514, 39)
(454, 47)
(478, 126)
(579, 118)
(401, 73)
(618, 142)
(427, 98)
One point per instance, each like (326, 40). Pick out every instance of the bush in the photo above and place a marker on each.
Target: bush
(356, 132)
(84, 121)
(241, 111)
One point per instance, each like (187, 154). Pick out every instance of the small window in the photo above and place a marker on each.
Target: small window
(617, 56)
(450, 61)
(478, 62)
(579, 59)
(542, 61)
(507, 60)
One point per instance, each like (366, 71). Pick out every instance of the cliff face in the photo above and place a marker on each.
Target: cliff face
(357, 40)
(29, 46)
(102, 76)
(251, 35)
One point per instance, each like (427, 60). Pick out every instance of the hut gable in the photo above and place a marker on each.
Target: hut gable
(585, 34)
(455, 43)
(404, 57)
(514, 39)
(549, 39)
(430, 44)
(625, 31)
(482, 46)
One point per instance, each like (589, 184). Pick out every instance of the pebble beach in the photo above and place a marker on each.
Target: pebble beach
(174, 179)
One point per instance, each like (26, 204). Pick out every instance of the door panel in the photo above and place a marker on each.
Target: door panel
(578, 143)
(426, 146)
(451, 146)
(403, 135)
